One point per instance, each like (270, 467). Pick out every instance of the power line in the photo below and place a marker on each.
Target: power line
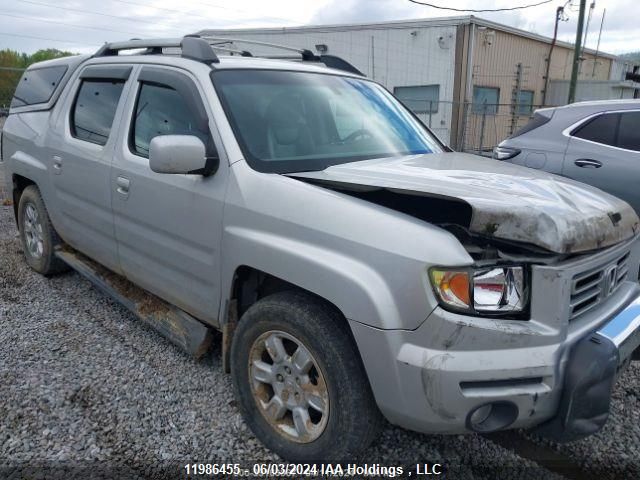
(208, 5)
(426, 4)
(242, 11)
(66, 24)
(45, 38)
(182, 12)
(129, 19)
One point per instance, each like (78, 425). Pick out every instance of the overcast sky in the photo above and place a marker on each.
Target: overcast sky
(82, 25)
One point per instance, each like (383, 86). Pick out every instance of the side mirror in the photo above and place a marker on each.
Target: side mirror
(177, 154)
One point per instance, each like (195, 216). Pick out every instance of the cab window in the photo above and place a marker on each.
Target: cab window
(37, 85)
(94, 109)
(161, 110)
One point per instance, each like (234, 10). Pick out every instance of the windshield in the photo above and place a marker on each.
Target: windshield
(299, 121)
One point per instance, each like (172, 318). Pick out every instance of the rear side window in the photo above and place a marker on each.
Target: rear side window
(37, 85)
(601, 129)
(629, 131)
(161, 110)
(537, 121)
(94, 109)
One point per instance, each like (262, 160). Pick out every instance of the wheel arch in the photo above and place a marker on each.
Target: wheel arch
(248, 286)
(19, 182)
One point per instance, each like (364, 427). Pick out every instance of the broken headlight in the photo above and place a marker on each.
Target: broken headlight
(491, 290)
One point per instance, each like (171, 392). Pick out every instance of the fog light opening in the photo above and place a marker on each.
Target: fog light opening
(492, 416)
(479, 415)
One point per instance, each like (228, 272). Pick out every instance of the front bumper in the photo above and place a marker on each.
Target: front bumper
(433, 378)
(590, 374)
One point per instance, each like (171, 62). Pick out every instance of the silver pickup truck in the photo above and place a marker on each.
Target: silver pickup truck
(357, 267)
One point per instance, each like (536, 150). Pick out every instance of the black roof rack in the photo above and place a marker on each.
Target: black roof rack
(202, 49)
(192, 47)
(306, 55)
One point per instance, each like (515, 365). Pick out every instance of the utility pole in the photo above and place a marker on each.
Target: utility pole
(586, 30)
(595, 59)
(577, 53)
(559, 13)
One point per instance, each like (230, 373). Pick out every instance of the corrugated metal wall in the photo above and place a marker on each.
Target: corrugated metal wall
(497, 54)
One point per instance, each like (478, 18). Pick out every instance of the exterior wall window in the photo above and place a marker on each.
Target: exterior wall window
(94, 109)
(485, 99)
(525, 102)
(419, 99)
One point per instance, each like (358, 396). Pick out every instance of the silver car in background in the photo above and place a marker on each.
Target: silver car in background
(593, 142)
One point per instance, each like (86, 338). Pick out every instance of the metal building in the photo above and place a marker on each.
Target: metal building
(471, 80)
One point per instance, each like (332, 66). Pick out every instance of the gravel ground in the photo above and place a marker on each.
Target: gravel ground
(614, 452)
(87, 391)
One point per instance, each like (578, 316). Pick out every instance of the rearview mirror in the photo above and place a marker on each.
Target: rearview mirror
(177, 154)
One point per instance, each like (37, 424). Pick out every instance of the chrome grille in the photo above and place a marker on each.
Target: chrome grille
(589, 288)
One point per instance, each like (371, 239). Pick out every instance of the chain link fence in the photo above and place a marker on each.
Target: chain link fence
(485, 126)
(502, 103)
(480, 127)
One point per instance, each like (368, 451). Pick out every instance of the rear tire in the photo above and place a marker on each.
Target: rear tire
(299, 380)
(37, 235)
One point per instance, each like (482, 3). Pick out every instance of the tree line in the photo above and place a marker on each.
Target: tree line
(633, 56)
(10, 60)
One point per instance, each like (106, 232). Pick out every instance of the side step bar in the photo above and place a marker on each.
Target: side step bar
(176, 325)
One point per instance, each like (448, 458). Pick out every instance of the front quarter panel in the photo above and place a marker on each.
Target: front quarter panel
(369, 261)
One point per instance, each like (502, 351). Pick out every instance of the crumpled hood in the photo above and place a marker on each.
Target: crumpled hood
(508, 201)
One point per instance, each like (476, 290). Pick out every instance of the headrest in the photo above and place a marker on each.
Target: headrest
(285, 118)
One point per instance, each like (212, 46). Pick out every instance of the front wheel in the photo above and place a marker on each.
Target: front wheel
(299, 380)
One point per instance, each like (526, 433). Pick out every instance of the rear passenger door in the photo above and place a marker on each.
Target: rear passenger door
(604, 152)
(81, 154)
(168, 226)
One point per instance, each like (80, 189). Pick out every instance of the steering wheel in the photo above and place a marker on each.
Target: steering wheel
(360, 133)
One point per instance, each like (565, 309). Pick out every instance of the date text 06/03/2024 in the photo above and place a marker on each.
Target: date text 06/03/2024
(329, 470)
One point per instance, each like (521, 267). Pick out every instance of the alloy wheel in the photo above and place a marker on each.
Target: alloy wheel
(288, 386)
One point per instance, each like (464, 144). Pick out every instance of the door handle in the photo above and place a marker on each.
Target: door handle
(122, 185)
(588, 163)
(57, 164)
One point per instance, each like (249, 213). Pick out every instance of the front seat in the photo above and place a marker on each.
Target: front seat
(288, 134)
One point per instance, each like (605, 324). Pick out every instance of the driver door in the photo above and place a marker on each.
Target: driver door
(168, 226)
